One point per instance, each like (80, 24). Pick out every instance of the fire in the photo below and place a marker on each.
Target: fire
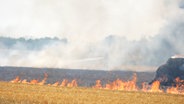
(155, 87)
(34, 81)
(131, 85)
(172, 90)
(118, 84)
(144, 87)
(25, 81)
(72, 84)
(64, 83)
(115, 85)
(16, 80)
(179, 82)
(55, 84)
(178, 88)
(98, 84)
(44, 80)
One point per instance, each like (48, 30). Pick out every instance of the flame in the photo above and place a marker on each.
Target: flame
(44, 80)
(34, 81)
(98, 84)
(56, 84)
(131, 85)
(64, 83)
(117, 84)
(178, 88)
(25, 81)
(172, 90)
(155, 87)
(16, 80)
(72, 84)
(120, 85)
(144, 87)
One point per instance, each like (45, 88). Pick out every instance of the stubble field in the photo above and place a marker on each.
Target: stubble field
(15, 93)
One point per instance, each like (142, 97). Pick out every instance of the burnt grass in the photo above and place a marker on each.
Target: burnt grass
(85, 78)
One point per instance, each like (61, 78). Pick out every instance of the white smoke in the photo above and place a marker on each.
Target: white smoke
(146, 33)
(85, 20)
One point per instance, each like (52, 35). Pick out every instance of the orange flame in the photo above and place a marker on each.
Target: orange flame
(44, 80)
(120, 85)
(16, 80)
(72, 84)
(64, 83)
(144, 87)
(172, 90)
(25, 81)
(55, 84)
(155, 87)
(98, 84)
(178, 89)
(131, 85)
(34, 81)
(115, 85)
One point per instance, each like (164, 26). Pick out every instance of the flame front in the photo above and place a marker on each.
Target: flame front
(98, 84)
(145, 87)
(118, 84)
(155, 87)
(34, 81)
(25, 81)
(44, 80)
(121, 85)
(16, 80)
(64, 83)
(72, 84)
(56, 84)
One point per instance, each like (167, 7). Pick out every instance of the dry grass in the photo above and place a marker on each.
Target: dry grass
(35, 94)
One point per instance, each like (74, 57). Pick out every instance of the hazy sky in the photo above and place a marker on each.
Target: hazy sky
(86, 20)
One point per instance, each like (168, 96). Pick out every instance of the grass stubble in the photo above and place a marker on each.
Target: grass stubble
(16, 93)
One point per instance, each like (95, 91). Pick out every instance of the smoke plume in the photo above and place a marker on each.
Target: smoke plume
(94, 34)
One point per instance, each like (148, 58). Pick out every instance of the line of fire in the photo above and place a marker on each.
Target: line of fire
(168, 79)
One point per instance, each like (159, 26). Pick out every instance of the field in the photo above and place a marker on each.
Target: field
(35, 94)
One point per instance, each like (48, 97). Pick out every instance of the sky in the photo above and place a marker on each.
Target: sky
(86, 24)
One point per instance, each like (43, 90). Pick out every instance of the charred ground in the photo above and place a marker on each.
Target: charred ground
(84, 77)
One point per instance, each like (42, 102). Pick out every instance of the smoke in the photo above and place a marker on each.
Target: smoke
(85, 20)
(113, 52)
(144, 33)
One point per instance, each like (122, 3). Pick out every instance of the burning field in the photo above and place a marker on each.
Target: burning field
(165, 88)
(117, 92)
(91, 52)
(117, 84)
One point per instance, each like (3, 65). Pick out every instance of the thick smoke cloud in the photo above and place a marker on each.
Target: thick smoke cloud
(85, 20)
(87, 43)
(112, 52)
